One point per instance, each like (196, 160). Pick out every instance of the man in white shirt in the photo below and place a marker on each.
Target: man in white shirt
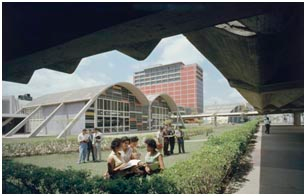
(179, 134)
(82, 139)
(267, 124)
(97, 140)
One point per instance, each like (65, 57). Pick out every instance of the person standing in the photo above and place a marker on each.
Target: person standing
(82, 139)
(97, 140)
(90, 146)
(166, 141)
(171, 138)
(160, 139)
(267, 124)
(179, 134)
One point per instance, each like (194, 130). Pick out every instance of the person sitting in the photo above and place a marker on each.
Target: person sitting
(116, 166)
(114, 161)
(153, 160)
(126, 152)
(133, 145)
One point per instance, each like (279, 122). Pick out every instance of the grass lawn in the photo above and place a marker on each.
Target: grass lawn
(62, 161)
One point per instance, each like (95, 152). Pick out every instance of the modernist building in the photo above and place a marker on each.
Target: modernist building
(116, 108)
(10, 116)
(228, 108)
(184, 83)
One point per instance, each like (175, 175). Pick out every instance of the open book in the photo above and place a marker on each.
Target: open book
(131, 163)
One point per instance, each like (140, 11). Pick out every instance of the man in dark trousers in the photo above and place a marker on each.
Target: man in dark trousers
(179, 134)
(171, 138)
(267, 124)
(90, 147)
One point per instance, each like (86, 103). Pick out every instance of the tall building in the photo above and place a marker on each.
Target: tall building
(184, 83)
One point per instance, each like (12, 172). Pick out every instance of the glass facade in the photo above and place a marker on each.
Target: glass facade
(160, 113)
(118, 110)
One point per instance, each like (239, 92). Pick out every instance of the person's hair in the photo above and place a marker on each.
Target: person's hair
(84, 130)
(161, 128)
(151, 143)
(115, 143)
(134, 139)
(124, 139)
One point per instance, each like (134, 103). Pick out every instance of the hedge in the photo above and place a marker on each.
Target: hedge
(20, 178)
(203, 173)
(37, 146)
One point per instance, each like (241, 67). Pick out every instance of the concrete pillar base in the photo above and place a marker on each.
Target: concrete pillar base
(297, 119)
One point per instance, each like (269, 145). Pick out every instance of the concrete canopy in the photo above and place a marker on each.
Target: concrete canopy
(166, 97)
(258, 47)
(85, 94)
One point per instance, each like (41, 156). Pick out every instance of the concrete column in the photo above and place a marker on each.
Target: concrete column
(215, 120)
(75, 119)
(150, 116)
(36, 131)
(296, 118)
(10, 119)
(22, 123)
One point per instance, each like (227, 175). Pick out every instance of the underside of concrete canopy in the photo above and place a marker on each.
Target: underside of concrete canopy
(258, 47)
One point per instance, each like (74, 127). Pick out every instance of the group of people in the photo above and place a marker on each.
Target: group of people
(90, 142)
(166, 138)
(124, 159)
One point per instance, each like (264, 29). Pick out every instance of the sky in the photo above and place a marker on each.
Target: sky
(114, 66)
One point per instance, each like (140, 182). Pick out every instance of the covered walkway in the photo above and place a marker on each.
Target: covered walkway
(282, 160)
(277, 162)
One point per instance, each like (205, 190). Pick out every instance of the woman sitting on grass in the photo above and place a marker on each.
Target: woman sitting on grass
(115, 164)
(153, 160)
(114, 160)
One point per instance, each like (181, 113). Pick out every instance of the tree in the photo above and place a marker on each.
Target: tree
(168, 122)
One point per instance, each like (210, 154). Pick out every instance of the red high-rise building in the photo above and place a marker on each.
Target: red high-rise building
(184, 83)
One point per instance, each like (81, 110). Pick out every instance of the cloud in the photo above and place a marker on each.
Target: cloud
(46, 81)
(178, 48)
(130, 79)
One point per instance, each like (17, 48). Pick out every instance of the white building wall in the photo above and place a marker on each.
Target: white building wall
(62, 117)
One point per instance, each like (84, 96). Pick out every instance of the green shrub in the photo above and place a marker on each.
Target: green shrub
(23, 178)
(203, 173)
(193, 131)
(206, 170)
(51, 145)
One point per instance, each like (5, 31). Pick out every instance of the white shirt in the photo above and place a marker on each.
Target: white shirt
(267, 122)
(95, 140)
(82, 137)
(178, 133)
(159, 134)
(126, 156)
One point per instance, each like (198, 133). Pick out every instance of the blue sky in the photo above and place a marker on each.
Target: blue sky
(113, 66)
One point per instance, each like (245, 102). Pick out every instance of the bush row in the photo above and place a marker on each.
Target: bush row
(20, 178)
(205, 171)
(30, 147)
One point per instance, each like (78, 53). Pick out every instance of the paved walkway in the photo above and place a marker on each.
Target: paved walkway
(278, 162)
